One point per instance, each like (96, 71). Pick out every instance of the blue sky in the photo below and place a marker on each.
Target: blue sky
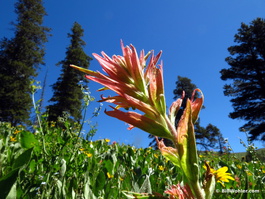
(193, 35)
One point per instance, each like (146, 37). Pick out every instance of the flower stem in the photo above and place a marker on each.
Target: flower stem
(199, 194)
(39, 122)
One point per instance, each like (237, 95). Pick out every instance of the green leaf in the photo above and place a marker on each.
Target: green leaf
(27, 140)
(88, 194)
(1, 143)
(63, 168)
(146, 186)
(130, 194)
(100, 182)
(109, 166)
(23, 159)
(13, 192)
(32, 166)
(6, 183)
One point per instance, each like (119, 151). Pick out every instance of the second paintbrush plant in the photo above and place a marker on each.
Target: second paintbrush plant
(138, 83)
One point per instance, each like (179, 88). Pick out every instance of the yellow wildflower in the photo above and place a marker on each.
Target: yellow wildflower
(220, 175)
(17, 131)
(249, 173)
(120, 178)
(161, 168)
(156, 155)
(107, 140)
(81, 149)
(13, 139)
(88, 154)
(109, 175)
(239, 166)
(148, 152)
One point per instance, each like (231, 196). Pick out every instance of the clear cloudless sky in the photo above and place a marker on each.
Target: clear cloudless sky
(193, 34)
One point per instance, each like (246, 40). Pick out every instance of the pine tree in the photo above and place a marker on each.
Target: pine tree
(247, 72)
(68, 95)
(20, 58)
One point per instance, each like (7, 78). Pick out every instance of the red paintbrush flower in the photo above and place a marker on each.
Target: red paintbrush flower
(139, 86)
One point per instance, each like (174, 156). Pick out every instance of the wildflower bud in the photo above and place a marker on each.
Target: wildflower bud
(168, 152)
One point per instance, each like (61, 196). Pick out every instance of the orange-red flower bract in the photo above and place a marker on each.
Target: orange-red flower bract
(180, 192)
(138, 85)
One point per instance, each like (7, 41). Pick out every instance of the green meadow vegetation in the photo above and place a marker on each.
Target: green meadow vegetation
(55, 162)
